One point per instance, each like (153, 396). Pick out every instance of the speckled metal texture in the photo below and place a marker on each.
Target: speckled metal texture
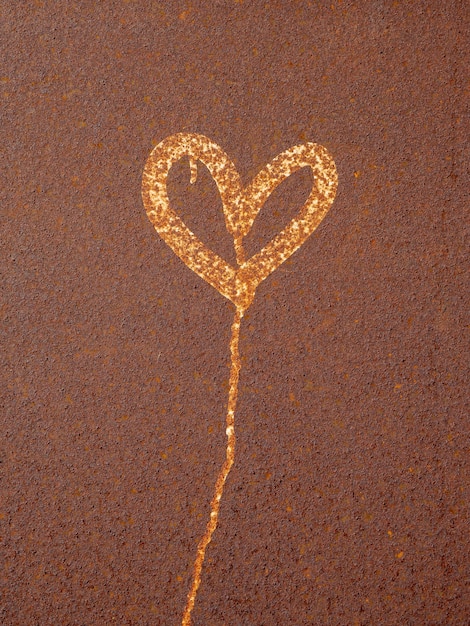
(347, 503)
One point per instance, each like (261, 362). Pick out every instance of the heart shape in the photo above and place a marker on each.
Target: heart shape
(240, 206)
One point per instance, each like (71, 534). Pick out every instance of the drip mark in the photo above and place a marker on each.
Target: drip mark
(193, 170)
(226, 467)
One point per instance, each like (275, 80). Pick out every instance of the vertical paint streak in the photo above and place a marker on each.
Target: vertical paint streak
(239, 251)
(193, 170)
(224, 472)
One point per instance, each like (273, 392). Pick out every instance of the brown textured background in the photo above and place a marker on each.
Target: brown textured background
(348, 500)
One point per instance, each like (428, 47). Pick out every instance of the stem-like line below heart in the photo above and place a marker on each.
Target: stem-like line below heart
(226, 467)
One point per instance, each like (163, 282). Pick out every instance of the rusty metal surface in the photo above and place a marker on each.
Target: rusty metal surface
(348, 499)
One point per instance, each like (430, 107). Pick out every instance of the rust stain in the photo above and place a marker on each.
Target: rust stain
(101, 320)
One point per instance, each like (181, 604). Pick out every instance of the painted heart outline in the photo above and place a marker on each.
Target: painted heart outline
(240, 206)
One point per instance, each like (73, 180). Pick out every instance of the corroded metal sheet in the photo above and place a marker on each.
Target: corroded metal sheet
(347, 502)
